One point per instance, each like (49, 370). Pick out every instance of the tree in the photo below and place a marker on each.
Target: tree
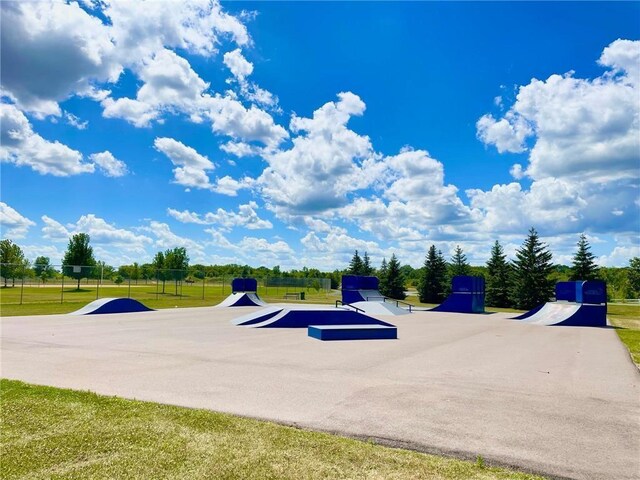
(392, 284)
(177, 262)
(12, 260)
(432, 282)
(498, 271)
(459, 264)
(382, 278)
(584, 266)
(79, 254)
(356, 266)
(531, 285)
(159, 265)
(367, 269)
(42, 269)
(633, 275)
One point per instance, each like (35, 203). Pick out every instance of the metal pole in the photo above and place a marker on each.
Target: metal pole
(156, 284)
(203, 279)
(129, 292)
(62, 291)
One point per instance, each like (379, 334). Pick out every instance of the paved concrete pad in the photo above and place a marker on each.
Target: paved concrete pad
(564, 401)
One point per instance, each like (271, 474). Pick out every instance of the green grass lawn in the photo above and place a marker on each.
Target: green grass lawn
(626, 319)
(54, 433)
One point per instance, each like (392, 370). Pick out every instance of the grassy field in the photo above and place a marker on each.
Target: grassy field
(54, 433)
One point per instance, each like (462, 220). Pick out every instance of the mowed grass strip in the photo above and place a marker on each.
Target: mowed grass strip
(626, 319)
(56, 433)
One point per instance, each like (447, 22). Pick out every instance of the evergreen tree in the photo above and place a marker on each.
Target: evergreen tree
(367, 269)
(584, 266)
(394, 280)
(356, 266)
(78, 260)
(498, 271)
(432, 284)
(531, 284)
(459, 264)
(382, 277)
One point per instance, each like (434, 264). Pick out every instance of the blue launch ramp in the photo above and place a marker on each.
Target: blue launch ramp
(353, 332)
(304, 316)
(244, 294)
(578, 304)
(112, 305)
(467, 296)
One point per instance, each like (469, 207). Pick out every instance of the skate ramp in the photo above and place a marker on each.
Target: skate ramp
(356, 288)
(112, 305)
(303, 317)
(467, 296)
(569, 315)
(242, 299)
(380, 308)
(579, 304)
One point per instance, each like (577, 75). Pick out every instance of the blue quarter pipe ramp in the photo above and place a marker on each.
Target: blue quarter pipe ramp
(578, 304)
(467, 296)
(112, 305)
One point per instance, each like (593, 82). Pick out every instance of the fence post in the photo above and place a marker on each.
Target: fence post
(203, 279)
(157, 284)
(62, 290)
(129, 292)
(22, 285)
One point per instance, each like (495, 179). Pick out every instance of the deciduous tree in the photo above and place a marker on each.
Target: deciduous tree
(78, 261)
(12, 261)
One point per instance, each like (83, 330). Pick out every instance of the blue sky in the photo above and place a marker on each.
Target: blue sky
(293, 133)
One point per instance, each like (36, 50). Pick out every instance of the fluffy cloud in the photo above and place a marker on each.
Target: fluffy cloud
(191, 167)
(326, 161)
(20, 145)
(14, 225)
(582, 138)
(170, 84)
(240, 67)
(165, 239)
(35, 34)
(578, 127)
(101, 232)
(230, 186)
(246, 217)
(108, 164)
(84, 47)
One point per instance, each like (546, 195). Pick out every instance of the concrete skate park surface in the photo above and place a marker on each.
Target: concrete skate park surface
(562, 401)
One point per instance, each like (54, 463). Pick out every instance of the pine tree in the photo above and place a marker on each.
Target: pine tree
(432, 284)
(367, 269)
(394, 281)
(498, 271)
(356, 266)
(584, 266)
(382, 277)
(459, 264)
(531, 285)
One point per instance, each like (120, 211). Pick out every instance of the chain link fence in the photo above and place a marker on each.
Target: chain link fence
(32, 283)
